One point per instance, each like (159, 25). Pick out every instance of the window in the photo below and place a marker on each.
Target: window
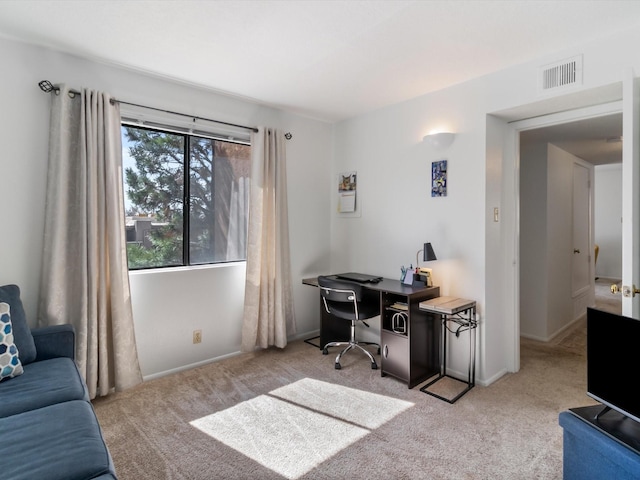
(186, 198)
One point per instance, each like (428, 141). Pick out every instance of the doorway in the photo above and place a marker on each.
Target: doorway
(558, 220)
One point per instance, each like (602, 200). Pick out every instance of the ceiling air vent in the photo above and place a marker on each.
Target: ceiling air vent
(560, 75)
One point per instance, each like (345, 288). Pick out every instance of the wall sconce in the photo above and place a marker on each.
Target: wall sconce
(439, 141)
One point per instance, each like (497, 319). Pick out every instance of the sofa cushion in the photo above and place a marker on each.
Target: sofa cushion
(21, 333)
(10, 365)
(59, 442)
(42, 383)
(54, 341)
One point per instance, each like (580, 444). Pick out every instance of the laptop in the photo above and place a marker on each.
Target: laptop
(359, 277)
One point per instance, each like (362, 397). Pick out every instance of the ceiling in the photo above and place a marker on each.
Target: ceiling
(326, 59)
(595, 140)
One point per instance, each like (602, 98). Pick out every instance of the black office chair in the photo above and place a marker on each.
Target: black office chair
(349, 301)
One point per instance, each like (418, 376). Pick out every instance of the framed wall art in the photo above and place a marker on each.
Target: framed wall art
(439, 178)
(347, 186)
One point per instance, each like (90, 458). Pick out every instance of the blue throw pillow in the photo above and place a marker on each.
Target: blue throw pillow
(21, 332)
(10, 365)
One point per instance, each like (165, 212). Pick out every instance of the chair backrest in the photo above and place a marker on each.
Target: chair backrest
(348, 300)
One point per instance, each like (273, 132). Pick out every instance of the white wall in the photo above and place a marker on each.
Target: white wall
(168, 305)
(394, 186)
(534, 277)
(608, 220)
(547, 306)
(559, 239)
(478, 256)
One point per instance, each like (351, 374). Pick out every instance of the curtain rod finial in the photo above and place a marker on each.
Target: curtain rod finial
(46, 86)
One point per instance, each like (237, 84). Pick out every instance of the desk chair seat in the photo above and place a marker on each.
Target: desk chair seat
(349, 301)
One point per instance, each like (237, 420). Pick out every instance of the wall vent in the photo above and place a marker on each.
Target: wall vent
(560, 75)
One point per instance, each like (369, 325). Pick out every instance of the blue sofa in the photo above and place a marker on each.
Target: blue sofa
(48, 428)
(599, 449)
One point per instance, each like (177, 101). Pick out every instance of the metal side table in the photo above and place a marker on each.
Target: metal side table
(458, 315)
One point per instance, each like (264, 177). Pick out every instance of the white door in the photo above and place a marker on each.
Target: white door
(581, 257)
(630, 196)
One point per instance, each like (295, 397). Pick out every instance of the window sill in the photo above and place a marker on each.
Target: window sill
(166, 270)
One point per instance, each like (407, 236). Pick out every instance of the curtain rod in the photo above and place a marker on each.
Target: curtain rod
(47, 87)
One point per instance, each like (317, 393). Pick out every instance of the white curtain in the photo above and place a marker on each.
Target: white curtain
(268, 305)
(85, 278)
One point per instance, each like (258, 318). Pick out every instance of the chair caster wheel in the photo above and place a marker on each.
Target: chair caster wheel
(325, 351)
(338, 367)
(374, 366)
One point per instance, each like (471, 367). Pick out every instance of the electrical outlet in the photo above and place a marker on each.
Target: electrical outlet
(197, 336)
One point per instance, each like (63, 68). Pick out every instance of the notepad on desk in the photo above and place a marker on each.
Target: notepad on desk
(447, 305)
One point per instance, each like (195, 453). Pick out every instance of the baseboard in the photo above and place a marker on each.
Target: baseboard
(606, 278)
(568, 327)
(189, 366)
(533, 337)
(555, 334)
(489, 381)
(183, 368)
(304, 336)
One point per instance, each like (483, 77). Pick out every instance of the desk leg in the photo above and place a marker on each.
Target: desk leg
(443, 346)
(317, 337)
(472, 348)
(332, 329)
(309, 341)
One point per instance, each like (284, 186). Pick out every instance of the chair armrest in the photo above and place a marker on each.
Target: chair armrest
(54, 341)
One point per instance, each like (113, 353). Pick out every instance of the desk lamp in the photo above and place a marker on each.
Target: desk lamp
(428, 255)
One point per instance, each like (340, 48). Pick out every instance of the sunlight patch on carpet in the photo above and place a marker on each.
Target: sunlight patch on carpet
(308, 422)
(366, 409)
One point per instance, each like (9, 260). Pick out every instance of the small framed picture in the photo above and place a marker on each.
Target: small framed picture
(347, 186)
(439, 178)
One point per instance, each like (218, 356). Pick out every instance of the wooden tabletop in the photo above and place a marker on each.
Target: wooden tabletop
(447, 305)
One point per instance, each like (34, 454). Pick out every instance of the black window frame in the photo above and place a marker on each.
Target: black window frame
(188, 135)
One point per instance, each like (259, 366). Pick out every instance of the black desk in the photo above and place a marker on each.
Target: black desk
(412, 353)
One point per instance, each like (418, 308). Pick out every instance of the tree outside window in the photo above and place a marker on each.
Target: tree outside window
(175, 219)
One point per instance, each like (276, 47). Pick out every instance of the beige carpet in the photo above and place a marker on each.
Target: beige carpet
(575, 339)
(289, 414)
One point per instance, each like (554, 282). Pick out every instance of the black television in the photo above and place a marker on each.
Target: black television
(613, 362)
